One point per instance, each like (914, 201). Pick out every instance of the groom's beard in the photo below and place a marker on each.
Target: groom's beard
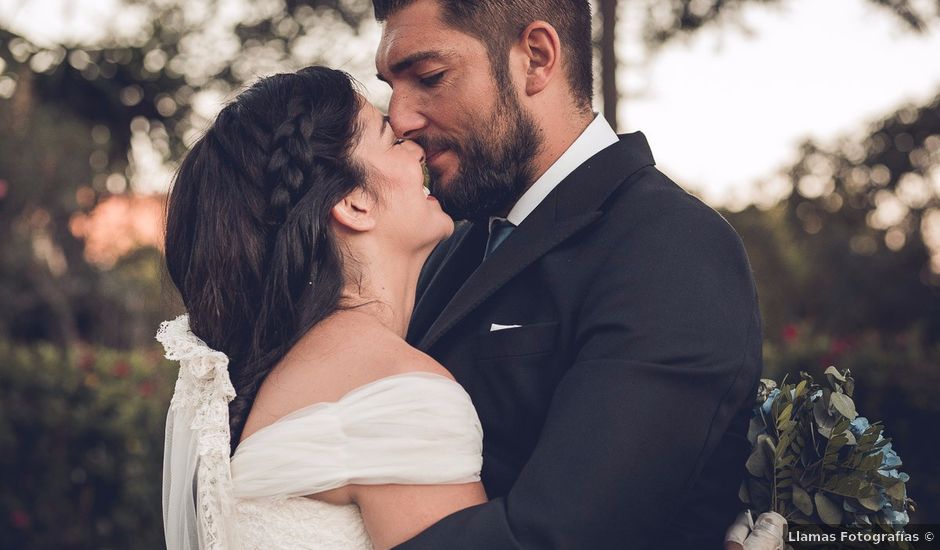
(494, 169)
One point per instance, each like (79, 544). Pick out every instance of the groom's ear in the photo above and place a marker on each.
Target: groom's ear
(542, 48)
(356, 212)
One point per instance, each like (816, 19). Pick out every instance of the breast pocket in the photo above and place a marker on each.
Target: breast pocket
(525, 341)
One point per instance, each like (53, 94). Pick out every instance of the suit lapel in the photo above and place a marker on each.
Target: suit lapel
(573, 205)
(519, 251)
(447, 268)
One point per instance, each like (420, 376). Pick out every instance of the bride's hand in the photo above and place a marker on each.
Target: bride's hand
(767, 533)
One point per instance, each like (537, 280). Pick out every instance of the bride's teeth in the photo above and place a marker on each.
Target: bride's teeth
(427, 192)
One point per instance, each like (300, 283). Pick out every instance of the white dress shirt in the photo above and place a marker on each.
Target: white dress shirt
(596, 137)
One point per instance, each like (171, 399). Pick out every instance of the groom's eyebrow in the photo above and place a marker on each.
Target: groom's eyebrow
(414, 58)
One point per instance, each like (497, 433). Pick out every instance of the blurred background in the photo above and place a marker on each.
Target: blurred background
(813, 126)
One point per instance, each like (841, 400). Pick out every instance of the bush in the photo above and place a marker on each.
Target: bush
(82, 435)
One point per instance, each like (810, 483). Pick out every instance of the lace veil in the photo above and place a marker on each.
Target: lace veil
(198, 505)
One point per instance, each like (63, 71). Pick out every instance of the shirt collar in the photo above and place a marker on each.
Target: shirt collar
(595, 138)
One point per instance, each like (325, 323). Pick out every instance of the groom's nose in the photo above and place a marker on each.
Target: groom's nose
(406, 120)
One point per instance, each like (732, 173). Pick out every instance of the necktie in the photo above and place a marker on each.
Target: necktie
(499, 230)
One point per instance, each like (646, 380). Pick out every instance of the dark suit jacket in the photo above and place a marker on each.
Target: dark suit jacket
(618, 410)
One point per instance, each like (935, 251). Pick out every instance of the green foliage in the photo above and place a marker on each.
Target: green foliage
(819, 462)
(83, 447)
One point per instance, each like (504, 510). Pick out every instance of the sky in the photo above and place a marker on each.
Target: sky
(723, 110)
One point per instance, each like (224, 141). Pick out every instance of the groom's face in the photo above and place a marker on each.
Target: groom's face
(447, 96)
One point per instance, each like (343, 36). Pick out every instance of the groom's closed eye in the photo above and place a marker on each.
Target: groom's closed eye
(432, 80)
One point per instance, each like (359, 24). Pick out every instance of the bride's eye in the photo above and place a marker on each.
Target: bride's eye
(399, 141)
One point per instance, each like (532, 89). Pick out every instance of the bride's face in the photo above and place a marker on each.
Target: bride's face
(406, 215)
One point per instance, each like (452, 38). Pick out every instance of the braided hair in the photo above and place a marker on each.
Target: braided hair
(248, 240)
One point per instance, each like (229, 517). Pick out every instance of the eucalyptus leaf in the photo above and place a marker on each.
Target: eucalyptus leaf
(802, 500)
(873, 503)
(743, 494)
(756, 464)
(783, 445)
(896, 492)
(761, 462)
(836, 443)
(843, 404)
(755, 428)
(834, 372)
(842, 425)
(870, 463)
(829, 512)
(822, 415)
(783, 419)
(849, 485)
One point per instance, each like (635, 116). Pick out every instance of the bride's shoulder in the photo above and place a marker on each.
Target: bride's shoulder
(331, 361)
(359, 352)
(407, 358)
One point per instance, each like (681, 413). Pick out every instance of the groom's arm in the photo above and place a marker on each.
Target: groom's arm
(671, 353)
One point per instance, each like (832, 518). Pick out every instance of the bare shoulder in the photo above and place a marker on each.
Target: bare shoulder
(332, 359)
(358, 353)
(411, 359)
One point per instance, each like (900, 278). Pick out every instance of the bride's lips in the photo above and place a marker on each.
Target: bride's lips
(427, 180)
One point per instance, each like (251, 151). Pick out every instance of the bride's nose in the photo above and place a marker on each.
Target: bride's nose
(418, 148)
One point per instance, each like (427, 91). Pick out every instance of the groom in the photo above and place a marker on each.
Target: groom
(603, 321)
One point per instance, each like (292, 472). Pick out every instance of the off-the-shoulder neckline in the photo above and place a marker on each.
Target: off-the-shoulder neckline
(349, 394)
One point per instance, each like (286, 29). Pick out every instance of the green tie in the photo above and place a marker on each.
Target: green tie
(499, 230)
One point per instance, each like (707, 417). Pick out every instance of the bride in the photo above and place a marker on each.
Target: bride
(297, 228)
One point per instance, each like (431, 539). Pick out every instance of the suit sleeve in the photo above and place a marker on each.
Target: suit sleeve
(668, 353)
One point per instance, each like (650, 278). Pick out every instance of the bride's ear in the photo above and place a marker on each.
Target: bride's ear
(356, 212)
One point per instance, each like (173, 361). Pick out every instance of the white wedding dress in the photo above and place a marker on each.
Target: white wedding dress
(414, 428)
(411, 428)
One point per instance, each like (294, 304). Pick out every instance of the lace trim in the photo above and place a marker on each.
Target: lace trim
(204, 387)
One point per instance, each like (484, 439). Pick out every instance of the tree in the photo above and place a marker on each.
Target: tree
(73, 112)
(855, 245)
(608, 55)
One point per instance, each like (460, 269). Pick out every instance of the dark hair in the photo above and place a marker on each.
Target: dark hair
(248, 239)
(497, 23)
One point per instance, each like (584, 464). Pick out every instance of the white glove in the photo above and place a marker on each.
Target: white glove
(766, 534)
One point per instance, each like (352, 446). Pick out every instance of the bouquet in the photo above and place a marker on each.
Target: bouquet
(815, 461)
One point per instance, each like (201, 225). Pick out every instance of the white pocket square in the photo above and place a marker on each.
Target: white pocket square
(496, 326)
